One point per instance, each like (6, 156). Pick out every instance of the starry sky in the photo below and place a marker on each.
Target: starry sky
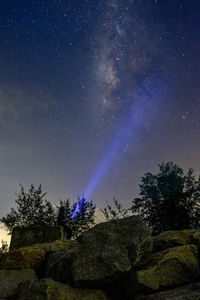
(95, 93)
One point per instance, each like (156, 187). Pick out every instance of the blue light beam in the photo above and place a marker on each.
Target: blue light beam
(78, 207)
(139, 114)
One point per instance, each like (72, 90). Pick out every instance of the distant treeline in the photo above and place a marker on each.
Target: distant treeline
(169, 200)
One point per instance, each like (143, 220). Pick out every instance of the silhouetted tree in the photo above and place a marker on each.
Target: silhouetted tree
(118, 212)
(169, 200)
(83, 219)
(32, 210)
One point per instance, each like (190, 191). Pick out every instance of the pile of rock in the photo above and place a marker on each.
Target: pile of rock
(114, 260)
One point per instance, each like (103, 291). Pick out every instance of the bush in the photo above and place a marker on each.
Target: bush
(82, 220)
(32, 210)
(118, 212)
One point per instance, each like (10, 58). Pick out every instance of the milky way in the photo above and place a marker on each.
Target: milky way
(88, 82)
(128, 54)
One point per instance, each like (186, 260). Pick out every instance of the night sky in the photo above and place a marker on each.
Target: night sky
(95, 93)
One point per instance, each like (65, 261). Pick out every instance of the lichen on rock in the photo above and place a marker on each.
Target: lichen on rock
(58, 264)
(109, 250)
(36, 235)
(10, 280)
(47, 289)
(23, 258)
(173, 238)
(55, 246)
(117, 259)
(188, 292)
(169, 267)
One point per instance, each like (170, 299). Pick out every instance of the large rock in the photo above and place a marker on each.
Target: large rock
(173, 238)
(35, 235)
(47, 289)
(10, 280)
(196, 241)
(58, 265)
(188, 292)
(58, 245)
(169, 267)
(23, 258)
(173, 266)
(109, 250)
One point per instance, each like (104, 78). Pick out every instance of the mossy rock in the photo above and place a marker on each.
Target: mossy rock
(173, 238)
(109, 250)
(47, 289)
(36, 235)
(58, 245)
(58, 264)
(196, 240)
(188, 292)
(169, 267)
(10, 280)
(23, 258)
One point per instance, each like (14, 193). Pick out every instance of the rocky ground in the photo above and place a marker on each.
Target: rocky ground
(114, 260)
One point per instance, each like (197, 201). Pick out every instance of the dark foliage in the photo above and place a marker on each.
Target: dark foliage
(169, 200)
(118, 212)
(32, 210)
(83, 220)
(4, 247)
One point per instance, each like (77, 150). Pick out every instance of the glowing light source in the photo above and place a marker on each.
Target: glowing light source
(78, 207)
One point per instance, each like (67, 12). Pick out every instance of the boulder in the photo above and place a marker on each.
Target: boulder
(188, 292)
(36, 235)
(169, 267)
(47, 289)
(173, 266)
(58, 265)
(109, 250)
(196, 241)
(173, 238)
(10, 280)
(58, 245)
(23, 258)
